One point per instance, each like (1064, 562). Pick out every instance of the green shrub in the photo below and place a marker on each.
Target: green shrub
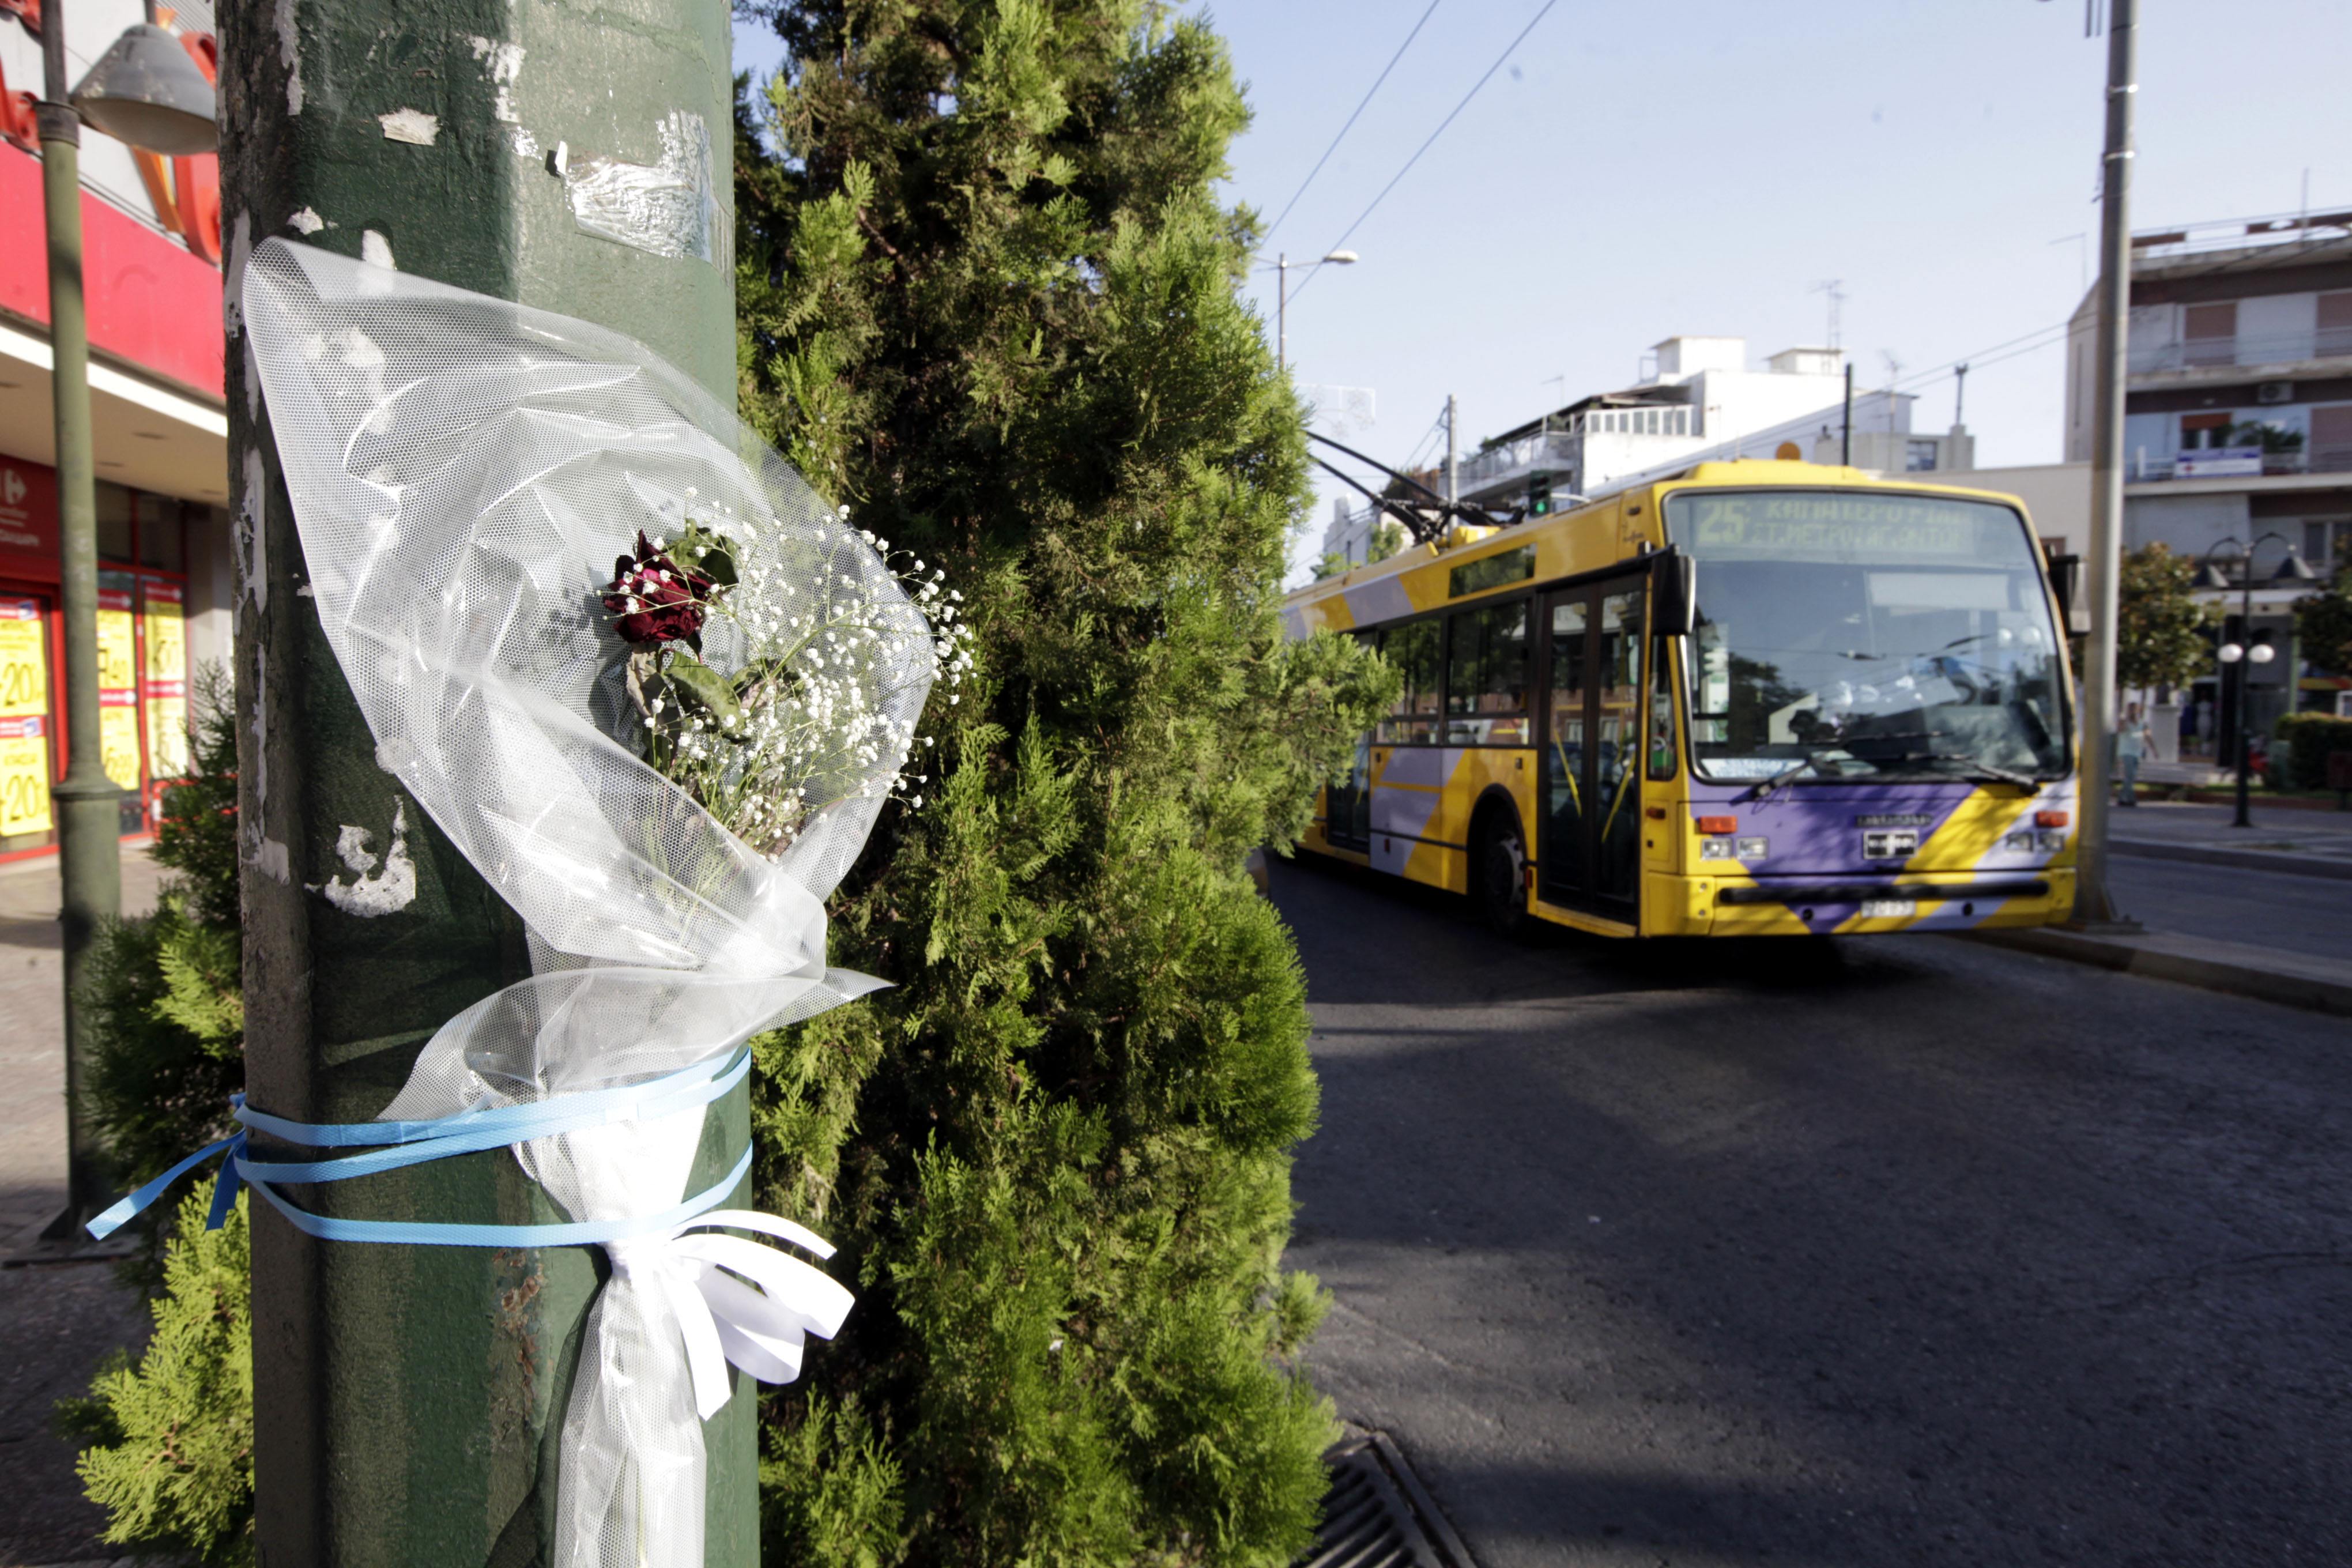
(164, 997)
(2309, 737)
(167, 1440)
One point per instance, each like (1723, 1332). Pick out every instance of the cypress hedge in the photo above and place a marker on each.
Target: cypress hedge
(988, 300)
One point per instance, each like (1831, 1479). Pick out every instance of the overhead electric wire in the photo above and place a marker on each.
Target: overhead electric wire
(1425, 146)
(1351, 122)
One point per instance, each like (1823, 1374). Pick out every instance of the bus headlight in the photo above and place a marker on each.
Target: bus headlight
(2018, 842)
(1716, 849)
(2052, 842)
(1754, 848)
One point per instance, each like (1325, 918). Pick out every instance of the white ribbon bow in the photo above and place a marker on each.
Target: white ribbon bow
(722, 1319)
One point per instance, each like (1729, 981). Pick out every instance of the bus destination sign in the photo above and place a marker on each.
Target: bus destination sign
(1811, 524)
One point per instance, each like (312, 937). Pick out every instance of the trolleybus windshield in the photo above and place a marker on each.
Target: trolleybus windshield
(1844, 635)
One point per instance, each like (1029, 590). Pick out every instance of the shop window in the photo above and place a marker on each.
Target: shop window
(114, 528)
(1918, 456)
(163, 539)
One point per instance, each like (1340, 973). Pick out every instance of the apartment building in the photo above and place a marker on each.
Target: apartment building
(2237, 413)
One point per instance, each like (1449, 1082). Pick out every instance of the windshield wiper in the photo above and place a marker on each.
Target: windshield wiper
(1981, 771)
(1764, 791)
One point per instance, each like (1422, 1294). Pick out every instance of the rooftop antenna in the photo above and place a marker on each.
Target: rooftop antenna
(1960, 393)
(1835, 289)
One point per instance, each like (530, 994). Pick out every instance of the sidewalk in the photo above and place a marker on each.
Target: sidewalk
(2314, 849)
(2299, 843)
(32, 1038)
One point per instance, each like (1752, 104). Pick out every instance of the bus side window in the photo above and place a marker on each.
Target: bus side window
(1662, 710)
(1414, 650)
(1486, 680)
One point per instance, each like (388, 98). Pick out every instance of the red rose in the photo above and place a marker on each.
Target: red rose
(655, 598)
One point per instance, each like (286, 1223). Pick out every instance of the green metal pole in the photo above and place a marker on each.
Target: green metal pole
(409, 1401)
(88, 804)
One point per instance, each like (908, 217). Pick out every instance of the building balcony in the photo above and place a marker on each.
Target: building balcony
(2194, 360)
(2172, 470)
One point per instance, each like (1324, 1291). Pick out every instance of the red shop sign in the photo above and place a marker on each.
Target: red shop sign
(28, 507)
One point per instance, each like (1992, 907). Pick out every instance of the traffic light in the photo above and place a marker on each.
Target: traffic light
(1540, 494)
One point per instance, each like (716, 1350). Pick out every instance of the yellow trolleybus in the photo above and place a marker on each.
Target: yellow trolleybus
(1757, 697)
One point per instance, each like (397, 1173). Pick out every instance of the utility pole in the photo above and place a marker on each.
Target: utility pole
(1452, 465)
(2102, 567)
(88, 804)
(408, 1401)
(1845, 436)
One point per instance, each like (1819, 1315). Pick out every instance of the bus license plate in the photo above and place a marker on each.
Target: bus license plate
(1889, 909)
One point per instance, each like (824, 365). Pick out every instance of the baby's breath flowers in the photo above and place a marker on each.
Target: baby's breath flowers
(771, 671)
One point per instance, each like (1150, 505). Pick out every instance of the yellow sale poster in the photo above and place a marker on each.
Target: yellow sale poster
(23, 775)
(117, 683)
(24, 718)
(166, 681)
(24, 661)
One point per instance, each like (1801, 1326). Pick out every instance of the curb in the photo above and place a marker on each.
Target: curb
(2248, 860)
(2290, 980)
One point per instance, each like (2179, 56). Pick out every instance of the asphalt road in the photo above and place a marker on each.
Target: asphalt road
(1903, 1251)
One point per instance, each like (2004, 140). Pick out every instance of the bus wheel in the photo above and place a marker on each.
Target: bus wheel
(1498, 874)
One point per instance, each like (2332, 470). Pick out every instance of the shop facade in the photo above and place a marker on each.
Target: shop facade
(152, 281)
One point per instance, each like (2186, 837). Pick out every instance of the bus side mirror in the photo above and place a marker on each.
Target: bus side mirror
(1674, 603)
(2066, 585)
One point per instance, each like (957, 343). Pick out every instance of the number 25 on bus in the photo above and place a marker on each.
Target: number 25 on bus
(1754, 699)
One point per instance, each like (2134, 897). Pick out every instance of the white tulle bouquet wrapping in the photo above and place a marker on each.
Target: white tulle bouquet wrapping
(655, 690)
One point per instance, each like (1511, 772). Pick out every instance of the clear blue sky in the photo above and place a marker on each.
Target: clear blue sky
(1640, 170)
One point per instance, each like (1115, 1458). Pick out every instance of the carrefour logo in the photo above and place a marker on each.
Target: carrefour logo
(13, 487)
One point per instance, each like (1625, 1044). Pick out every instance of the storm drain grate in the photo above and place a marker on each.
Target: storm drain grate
(1379, 1515)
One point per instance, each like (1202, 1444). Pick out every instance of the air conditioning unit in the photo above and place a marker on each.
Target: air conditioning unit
(2274, 392)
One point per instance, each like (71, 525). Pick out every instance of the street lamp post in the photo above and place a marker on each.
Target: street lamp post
(2236, 657)
(145, 90)
(1282, 266)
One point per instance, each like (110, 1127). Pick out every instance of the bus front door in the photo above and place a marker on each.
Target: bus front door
(1591, 831)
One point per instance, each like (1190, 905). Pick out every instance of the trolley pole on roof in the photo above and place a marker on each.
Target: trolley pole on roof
(408, 1400)
(2103, 566)
(1453, 464)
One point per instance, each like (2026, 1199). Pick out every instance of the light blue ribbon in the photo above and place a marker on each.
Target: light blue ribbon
(415, 1142)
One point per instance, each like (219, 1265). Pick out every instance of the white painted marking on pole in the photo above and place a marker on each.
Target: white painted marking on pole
(306, 221)
(505, 61)
(252, 551)
(413, 126)
(376, 250)
(263, 853)
(240, 247)
(289, 54)
(383, 893)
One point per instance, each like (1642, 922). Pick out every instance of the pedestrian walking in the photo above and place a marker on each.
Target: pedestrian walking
(2132, 740)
